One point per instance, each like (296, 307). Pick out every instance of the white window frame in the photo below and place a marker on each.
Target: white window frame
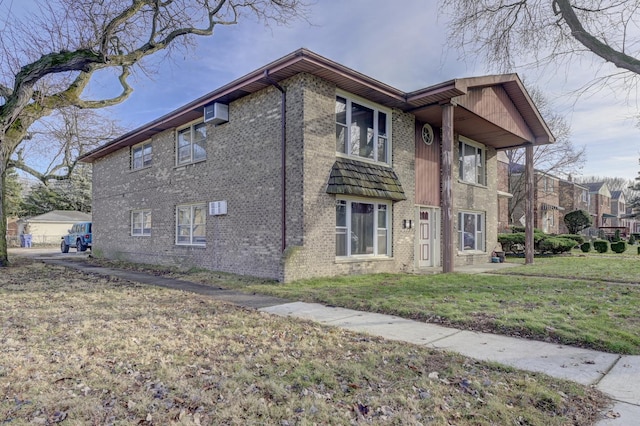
(145, 162)
(193, 240)
(192, 130)
(377, 109)
(379, 229)
(478, 236)
(143, 217)
(480, 170)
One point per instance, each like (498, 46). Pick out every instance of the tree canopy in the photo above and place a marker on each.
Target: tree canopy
(48, 56)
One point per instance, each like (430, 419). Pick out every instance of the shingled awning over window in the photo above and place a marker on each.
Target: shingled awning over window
(351, 177)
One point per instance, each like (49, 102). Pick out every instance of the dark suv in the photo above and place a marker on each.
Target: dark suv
(79, 237)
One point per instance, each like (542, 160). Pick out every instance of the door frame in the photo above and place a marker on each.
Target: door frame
(434, 237)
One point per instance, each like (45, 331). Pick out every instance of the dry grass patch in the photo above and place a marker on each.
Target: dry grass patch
(89, 350)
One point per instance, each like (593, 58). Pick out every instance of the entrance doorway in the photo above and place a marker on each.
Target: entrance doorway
(428, 237)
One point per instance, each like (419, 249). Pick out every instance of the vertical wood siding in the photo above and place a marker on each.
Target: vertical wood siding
(495, 105)
(427, 168)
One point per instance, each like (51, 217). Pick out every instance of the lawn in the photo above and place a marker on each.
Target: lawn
(80, 349)
(604, 267)
(563, 299)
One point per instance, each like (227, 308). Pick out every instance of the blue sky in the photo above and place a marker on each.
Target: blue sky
(399, 43)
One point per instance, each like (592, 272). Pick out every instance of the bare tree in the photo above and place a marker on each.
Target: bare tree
(508, 33)
(49, 57)
(559, 159)
(51, 149)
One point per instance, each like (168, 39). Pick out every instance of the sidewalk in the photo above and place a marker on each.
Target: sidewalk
(616, 375)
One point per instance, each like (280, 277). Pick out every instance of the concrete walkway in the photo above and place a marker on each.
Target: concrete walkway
(618, 376)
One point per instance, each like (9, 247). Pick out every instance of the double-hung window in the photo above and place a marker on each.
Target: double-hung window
(191, 221)
(192, 144)
(472, 162)
(141, 155)
(362, 228)
(471, 231)
(362, 129)
(140, 223)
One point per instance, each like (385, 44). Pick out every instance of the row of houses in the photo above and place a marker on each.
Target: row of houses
(554, 197)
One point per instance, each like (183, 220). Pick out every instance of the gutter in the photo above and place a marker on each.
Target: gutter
(283, 158)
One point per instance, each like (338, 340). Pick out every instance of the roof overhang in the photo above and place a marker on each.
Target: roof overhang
(424, 103)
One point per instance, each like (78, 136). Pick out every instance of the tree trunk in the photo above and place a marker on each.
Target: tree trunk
(4, 257)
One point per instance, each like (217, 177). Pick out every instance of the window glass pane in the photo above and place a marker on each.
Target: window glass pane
(382, 241)
(341, 110)
(199, 228)
(199, 141)
(341, 213)
(382, 149)
(382, 216)
(341, 241)
(469, 231)
(341, 138)
(137, 158)
(146, 223)
(146, 155)
(361, 131)
(469, 163)
(361, 228)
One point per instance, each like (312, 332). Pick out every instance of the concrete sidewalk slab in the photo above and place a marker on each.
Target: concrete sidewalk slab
(387, 326)
(623, 381)
(621, 414)
(566, 362)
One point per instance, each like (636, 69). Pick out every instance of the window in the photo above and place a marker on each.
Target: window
(141, 155)
(191, 221)
(361, 130)
(471, 231)
(362, 228)
(472, 162)
(547, 184)
(140, 223)
(584, 196)
(191, 143)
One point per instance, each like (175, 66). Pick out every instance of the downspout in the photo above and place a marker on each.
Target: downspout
(283, 159)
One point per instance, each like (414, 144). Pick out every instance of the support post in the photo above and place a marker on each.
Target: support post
(446, 177)
(528, 205)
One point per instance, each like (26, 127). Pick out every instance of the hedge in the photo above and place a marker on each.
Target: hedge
(585, 247)
(556, 245)
(601, 246)
(579, 239)
(619, 247)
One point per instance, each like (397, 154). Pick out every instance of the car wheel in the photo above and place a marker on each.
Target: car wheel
(64, 247)
(80, 246)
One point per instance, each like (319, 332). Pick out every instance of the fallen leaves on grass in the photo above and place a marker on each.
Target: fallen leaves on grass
(86, 350)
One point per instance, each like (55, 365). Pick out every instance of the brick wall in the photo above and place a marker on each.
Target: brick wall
(476, 198)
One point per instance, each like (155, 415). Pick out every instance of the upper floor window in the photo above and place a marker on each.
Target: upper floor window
(584, 196)
(362, 130)
(362, 228)
(548, 184)
(141, 222)
(472, 162)
(192, 144)
(191, 221)
(141, 155)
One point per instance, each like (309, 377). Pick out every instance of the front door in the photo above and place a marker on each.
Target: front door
(428, 238)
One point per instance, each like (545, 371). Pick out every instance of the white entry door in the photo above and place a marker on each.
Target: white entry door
(428, 238)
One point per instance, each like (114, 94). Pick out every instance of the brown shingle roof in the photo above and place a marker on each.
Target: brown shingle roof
(351, 177)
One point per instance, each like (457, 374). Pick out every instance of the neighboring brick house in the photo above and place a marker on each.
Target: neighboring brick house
(599, 204)
(573, 196)
(618, 209)
(546, 204)
(307, 168)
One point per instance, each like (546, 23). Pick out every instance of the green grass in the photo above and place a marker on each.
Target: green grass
(623, 267)
(82, 349)
(563, 299)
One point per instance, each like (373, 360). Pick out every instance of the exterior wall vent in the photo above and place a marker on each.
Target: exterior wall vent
(216, 113)
(217, 208)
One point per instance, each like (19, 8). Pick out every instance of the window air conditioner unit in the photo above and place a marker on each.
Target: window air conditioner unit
(216, 113)
(217, 208)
